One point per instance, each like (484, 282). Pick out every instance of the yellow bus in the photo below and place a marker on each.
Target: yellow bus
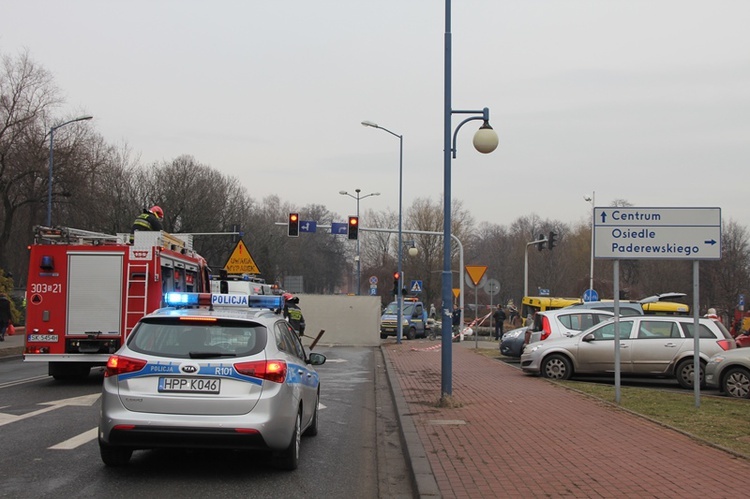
(665, 308)
(532, 304)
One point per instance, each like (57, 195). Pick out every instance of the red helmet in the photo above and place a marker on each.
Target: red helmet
(156, 210)
(287, 296)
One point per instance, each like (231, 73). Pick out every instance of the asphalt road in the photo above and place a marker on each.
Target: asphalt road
(48, 433)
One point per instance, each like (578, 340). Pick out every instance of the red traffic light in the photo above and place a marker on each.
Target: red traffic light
(395, 275)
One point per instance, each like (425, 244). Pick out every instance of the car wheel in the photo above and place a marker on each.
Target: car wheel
(383, 336)
(114, 456)
(411, 333)
(737, 382)
(557, 367)
(288, 459)
(312, 430)
(684, 374)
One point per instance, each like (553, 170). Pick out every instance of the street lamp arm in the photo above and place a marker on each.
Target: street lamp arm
(52, 162)
(455, 132)
(82, 118)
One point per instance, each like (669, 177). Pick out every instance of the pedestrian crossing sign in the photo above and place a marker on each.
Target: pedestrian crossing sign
(416, 287)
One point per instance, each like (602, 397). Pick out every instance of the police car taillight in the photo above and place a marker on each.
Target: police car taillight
(118, 364)
(272, 370)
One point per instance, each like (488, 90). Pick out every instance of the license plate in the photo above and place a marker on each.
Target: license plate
(51, 338)
(190, 385)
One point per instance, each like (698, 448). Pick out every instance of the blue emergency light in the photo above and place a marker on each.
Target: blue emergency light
(266, 301)
(181, 299)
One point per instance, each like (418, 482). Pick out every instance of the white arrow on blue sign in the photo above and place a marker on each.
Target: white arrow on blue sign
(307, 226)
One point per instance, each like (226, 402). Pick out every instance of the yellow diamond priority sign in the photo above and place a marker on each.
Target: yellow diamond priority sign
(241, 261)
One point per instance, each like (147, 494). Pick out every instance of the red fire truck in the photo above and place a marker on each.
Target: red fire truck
(87, 290)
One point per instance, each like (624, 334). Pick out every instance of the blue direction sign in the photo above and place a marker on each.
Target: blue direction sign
(657, 233)
(307, 226)
(339, 228)
(590, 295)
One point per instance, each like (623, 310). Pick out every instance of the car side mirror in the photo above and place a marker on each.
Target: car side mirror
(316, 359)
(589, 337)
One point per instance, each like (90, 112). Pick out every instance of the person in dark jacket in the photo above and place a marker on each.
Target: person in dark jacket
(499, 318)
(150, 219)
(293, 313)
(5, 315)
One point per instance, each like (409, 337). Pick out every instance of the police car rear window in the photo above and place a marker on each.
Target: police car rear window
(191, 339)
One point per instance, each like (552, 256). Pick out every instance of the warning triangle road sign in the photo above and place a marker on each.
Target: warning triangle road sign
(241, 261)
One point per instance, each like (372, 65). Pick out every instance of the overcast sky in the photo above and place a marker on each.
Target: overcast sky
(643, 100)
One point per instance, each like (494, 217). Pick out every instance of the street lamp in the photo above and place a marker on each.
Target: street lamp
(399, 293)
(52, 162)
(358, 197)
(485, 141)
(592, 200)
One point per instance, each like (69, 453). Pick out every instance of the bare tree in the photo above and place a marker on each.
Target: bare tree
(27, 97)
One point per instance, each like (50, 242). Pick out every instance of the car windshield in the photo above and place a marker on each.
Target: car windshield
(392, 308)
(198, 339)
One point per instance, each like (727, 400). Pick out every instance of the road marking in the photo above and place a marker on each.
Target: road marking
(84, 401)
(23, 381)
(77, 441)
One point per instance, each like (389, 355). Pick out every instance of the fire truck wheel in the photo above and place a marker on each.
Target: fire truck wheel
(114, 456)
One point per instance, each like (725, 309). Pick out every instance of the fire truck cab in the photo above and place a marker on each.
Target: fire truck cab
(87, 290)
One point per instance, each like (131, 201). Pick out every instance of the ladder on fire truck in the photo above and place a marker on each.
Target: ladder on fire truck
(69, 235)
(136, 296)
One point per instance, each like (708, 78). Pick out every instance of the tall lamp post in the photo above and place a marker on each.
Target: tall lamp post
(358, 197)
(592, 200)
(485, 141)
(52, 162)
(399, 292)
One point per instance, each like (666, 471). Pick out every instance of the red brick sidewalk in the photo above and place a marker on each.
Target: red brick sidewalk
(520, 436)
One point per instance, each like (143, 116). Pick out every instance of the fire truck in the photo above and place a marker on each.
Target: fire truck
(87, 290)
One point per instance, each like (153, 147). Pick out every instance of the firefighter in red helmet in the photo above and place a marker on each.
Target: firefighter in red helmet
(150, 219)
(293, 314)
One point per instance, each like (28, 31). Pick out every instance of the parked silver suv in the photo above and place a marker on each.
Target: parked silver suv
(649, 346)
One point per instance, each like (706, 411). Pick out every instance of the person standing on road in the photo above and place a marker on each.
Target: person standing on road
(5, 315)
(499, 318)
(433, 313)
(293, 313)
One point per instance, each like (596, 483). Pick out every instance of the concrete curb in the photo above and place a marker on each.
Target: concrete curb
(422, 474)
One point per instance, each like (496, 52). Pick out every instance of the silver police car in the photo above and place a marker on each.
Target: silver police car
(211, 371)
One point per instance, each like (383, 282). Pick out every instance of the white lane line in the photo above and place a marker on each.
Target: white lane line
(23, 381)
(77, 441)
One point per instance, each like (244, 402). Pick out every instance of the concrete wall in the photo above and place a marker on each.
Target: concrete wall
(347, 320)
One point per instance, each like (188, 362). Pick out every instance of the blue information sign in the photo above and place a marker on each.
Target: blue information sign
(590, 295)
(307, 226)
(340, 228)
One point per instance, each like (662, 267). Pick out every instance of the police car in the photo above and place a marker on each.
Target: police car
(212, 371)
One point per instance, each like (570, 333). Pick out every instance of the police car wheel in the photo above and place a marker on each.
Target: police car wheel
(312, 430)
(383, 336)
(411, 333)
(288, 459)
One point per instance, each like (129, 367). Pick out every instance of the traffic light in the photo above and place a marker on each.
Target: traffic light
(396, 282)
(353, 227)
(540, 244)
(294, 225)
(551, 240)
